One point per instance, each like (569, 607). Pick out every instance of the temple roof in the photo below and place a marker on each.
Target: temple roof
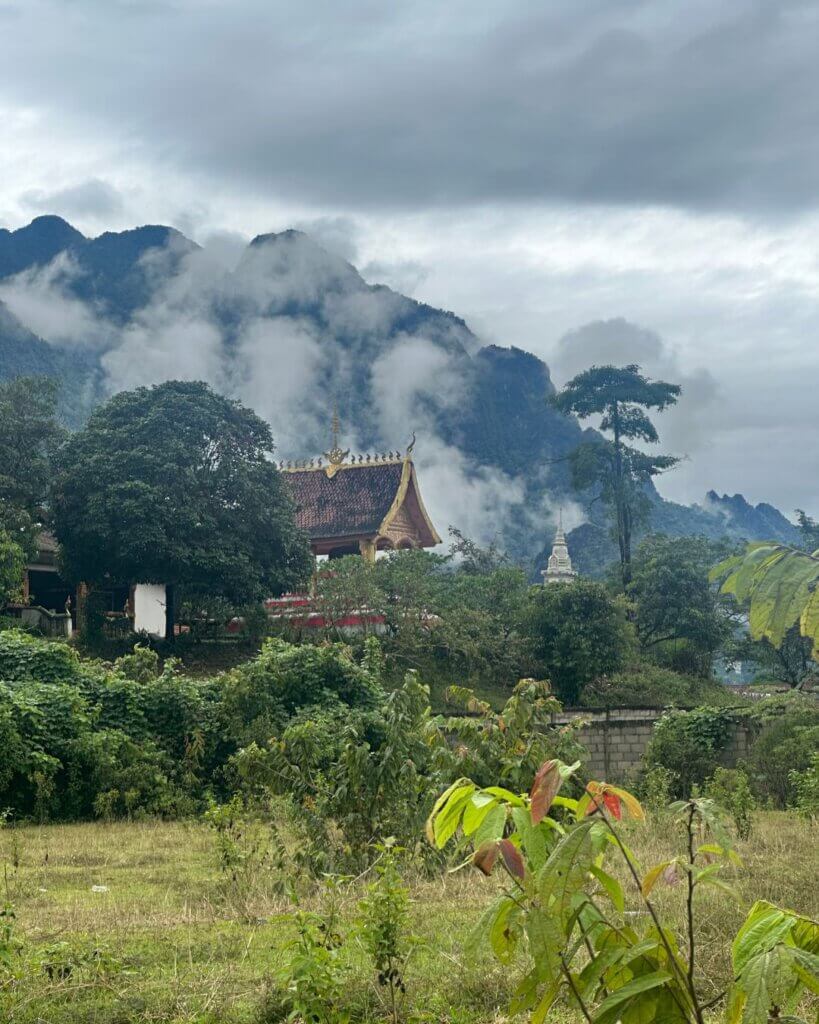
(358, 500)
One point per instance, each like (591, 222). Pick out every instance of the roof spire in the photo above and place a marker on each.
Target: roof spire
(559, 568)
(336, 455)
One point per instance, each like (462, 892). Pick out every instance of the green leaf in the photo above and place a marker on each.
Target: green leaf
(564, 873)
(613, 889)
(532, 838)
(763, 928)
(439, 803)
(612, 1006)
(476, 810)
(651, 876)
(446, 823)
(505, 931)
(492, 826)
(506, 795)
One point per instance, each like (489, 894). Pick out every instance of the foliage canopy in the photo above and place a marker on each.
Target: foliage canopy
(619, 472)
(173, 484)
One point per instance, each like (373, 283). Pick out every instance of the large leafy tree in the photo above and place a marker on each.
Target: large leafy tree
(578, 633)
(29, 438)
(809, 529)
(779, 587)
(617, 471)
(174, 484)
(677, 615)
(12, 567)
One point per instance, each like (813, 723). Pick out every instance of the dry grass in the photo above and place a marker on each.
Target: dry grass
(171, 948)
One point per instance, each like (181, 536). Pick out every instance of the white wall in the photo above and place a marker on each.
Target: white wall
(149, 608)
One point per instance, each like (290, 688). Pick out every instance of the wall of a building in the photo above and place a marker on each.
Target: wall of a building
(617, 739)
(149, 609)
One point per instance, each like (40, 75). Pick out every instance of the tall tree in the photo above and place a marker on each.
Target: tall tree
(619, 471)
(678, 618)
(809, 528)
(173, 484)
(29, 438)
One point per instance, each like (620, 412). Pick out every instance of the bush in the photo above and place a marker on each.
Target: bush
(647, 685)
(688, 743)
(261, 695)
(787, 738)
(24, 656)
(805, 786)
(729, 788)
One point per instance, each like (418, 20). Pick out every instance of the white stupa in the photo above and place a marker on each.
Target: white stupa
(559, 568)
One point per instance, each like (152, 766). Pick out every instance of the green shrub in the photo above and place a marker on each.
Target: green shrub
(382, 925)
(688, 744)
(729, 788)
(805, 786)
(657, 783)
(352, 776)
(787, 737)
(24, 656)
(261, 695)
(648, 685)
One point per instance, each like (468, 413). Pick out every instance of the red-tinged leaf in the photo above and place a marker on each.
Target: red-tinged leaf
(671, 874)
(485, 856)
(595, 792)
(512, 859)
(612, 805)
(544, 790)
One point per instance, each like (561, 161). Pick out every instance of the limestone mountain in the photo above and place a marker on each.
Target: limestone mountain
(292, 329)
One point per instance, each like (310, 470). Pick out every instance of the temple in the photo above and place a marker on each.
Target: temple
(360, 504)
(559, 568)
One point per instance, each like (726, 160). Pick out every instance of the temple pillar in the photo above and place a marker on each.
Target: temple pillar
(367, 549)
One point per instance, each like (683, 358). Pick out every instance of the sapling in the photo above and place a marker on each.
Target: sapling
(567, 910)
(382, 922)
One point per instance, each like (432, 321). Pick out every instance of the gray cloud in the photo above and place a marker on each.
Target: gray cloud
(92, 198)
(699, 105)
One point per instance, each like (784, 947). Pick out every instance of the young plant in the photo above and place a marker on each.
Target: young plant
(383, 916)
(10, 945)
(729, 788)
(561, 904)
(314, 977)
(249, 852)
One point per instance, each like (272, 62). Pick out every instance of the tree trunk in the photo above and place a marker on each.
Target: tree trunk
(623, 514)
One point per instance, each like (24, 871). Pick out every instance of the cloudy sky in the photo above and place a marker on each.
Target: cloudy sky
(587, 180)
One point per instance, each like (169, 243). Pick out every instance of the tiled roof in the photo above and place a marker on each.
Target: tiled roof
(354, 501)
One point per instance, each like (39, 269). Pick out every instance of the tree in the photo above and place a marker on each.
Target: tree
(809, 528)
(779, 587)
(789, 663)
(173, 484)
(620, 472)
(12, 568)
(29, 439)
(674, 602)
(578, 633)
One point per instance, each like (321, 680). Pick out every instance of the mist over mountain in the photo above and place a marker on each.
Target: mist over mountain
(291, 330)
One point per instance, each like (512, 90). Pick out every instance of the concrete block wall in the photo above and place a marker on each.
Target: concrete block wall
(616, 740)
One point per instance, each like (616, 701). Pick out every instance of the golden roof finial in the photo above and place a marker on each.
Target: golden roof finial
(336, 455)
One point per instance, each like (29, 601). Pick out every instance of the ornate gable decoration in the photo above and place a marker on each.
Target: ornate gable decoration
(367, 502)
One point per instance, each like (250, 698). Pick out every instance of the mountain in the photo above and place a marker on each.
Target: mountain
(291, 330)
(23, 354)
(592, 547)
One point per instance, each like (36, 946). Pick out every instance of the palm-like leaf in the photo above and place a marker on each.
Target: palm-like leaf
(779, 586)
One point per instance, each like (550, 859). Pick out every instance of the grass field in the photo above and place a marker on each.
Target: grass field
(160, 941)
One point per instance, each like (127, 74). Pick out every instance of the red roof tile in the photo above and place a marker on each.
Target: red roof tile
(352, 502)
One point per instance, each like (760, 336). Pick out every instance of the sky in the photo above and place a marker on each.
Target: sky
(590, 181)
